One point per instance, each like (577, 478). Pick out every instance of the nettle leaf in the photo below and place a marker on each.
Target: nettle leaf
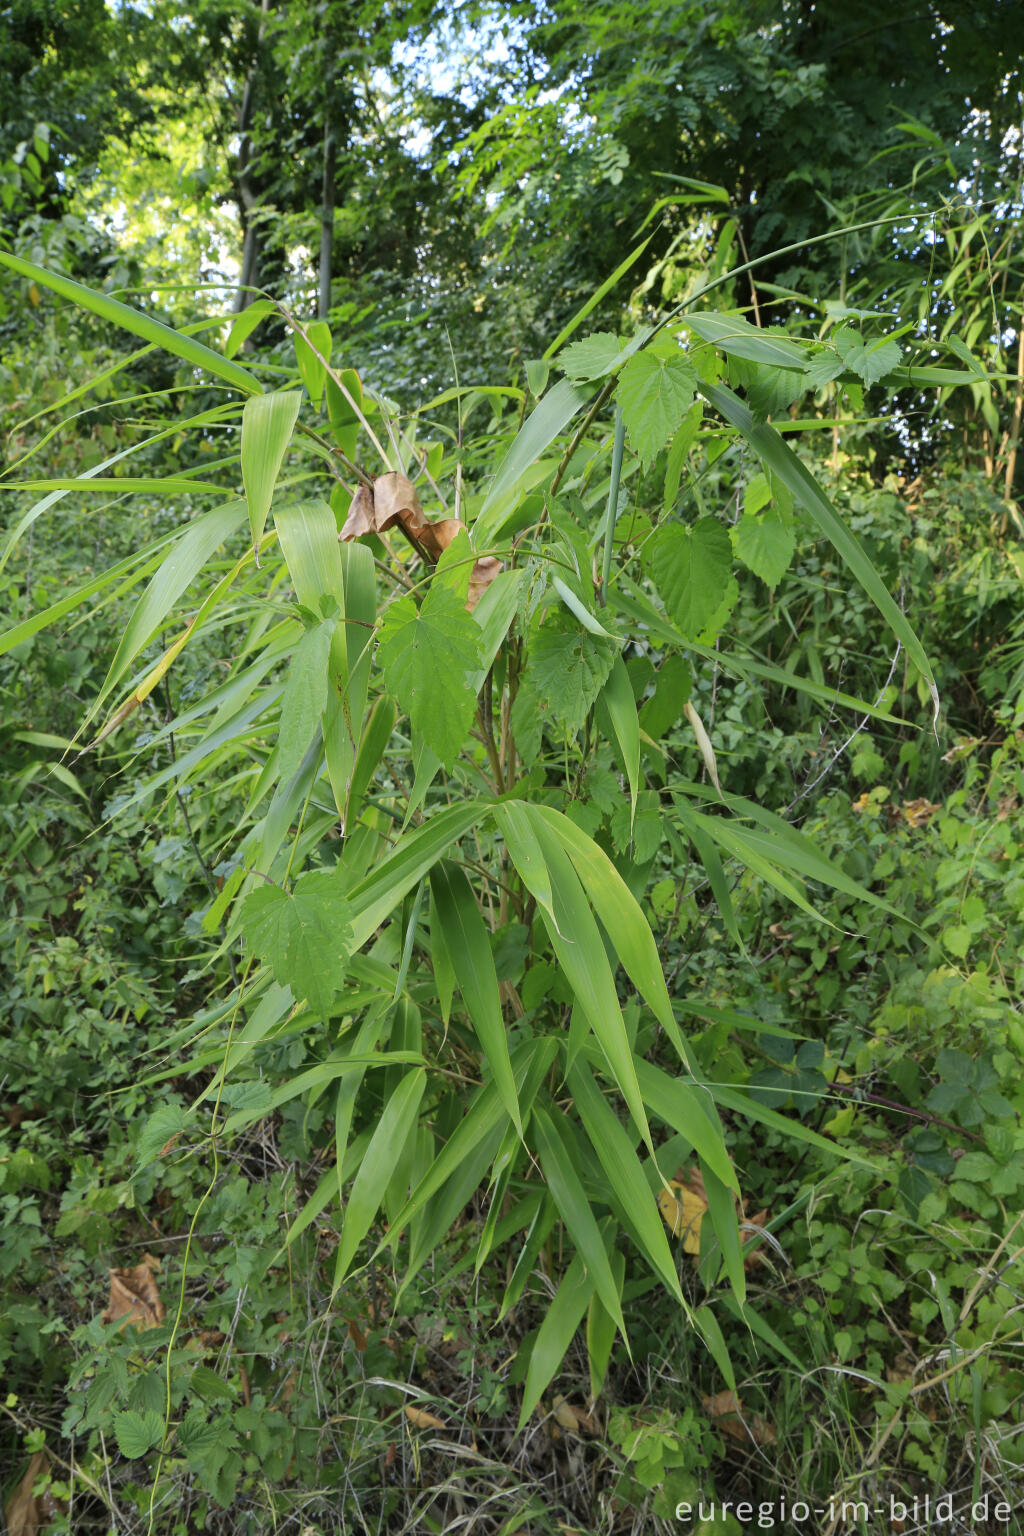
(655, 391)
(765, 544)
(592, 357)
(304, 935)
(691, 567)
(870, 361)
(138, 1433)
(427, 655)
(566, 670)
(160, 1131)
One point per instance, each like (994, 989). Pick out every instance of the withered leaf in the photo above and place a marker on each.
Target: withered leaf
(419, 1418)
(395, 501)
(918, 813)
(682, 1204)
(483, 573)
(360, 515)
(728, 1413)
(26, 1512)
(134, 1297)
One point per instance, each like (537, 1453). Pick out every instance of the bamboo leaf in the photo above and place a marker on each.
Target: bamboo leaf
(268, 422)
(387, 1143)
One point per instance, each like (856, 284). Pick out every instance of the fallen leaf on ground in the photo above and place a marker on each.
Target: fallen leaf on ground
(134, 1297)
(728, 1413)
(682, 1203)
(26, 1512)
(419, 1418)
(918, 813)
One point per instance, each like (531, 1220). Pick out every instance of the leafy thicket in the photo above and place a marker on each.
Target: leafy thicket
(511, 890)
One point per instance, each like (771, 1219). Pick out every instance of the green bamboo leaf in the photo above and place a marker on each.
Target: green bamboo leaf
(542, 426)
(245, 322)
(617, 698)
(710, 1330)
(305, 696)
(376, 734)
(556, 1156)
(580, 951)
(165, 485)
(623, 1170)
(138, 324)
(725, 1223)
(736, 336)
(596, 297)
(468, 945)
(394, 1127)
(413, 856)
(557, 1331)
(601, 1330)
(268, 422)
(684, 1107)
(311, 369)
(783, 462)
(176, 574)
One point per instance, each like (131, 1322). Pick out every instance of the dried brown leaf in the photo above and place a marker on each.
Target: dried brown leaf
(395, 501)
(134, 1297)
(26, 1512)
(918, 813)
(682, 1204)
(728, 1413)
(360, 515)
(419, 1418)
(566, 1415)
(483, 573)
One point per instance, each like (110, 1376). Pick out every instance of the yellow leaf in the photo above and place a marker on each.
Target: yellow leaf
(682, 1210)
(419, 1418)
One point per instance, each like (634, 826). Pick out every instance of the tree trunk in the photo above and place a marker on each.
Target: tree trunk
(246, 193)
(327, 224)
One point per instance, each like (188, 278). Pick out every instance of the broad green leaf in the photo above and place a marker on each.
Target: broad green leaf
(138, 1433)
(164, 1125)
(304, 935)
(592, 357)
(467, 943)
(871, 361)
(624, 1172)
(427, 655)
(691, 567)
(137, 324)
(765, 544)
(556, 1156)
(379, 1162)
(655, 392)
(566, 670)
(305, 696)
(268, 422)
(539, 430)
(199, 542)
(783, 462)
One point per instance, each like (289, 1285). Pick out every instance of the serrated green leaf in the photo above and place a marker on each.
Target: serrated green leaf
(871, 361)
(427, 655)
(565, 672)
(655, 392)
(765, 544)
(681, 445)
(691, 567)
(163, 1125)
(592, 357)
(304, 935)
(138, 1433)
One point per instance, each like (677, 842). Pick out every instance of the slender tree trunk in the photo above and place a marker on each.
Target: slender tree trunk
(327, 222)
(1018, 412)
(246, 193)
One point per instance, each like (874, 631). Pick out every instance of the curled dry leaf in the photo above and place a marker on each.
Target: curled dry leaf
(682, 1206)
(419, 1418)
(918, 813)
(26, 1512)
(393, 500)
(134, 1297)
(728, 1413)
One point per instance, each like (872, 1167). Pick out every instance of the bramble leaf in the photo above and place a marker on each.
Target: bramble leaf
(655, 392)
(765, 544)
(566, 671)
(138, 1433)
(691, 567)
(304, 935)
(427, 655)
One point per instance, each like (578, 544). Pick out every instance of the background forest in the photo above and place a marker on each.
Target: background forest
(512, 717)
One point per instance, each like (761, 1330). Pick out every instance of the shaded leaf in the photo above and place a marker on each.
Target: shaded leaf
(691, 567)
(304, 935)
(427, 655)
(765, 544)
(655, 392)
